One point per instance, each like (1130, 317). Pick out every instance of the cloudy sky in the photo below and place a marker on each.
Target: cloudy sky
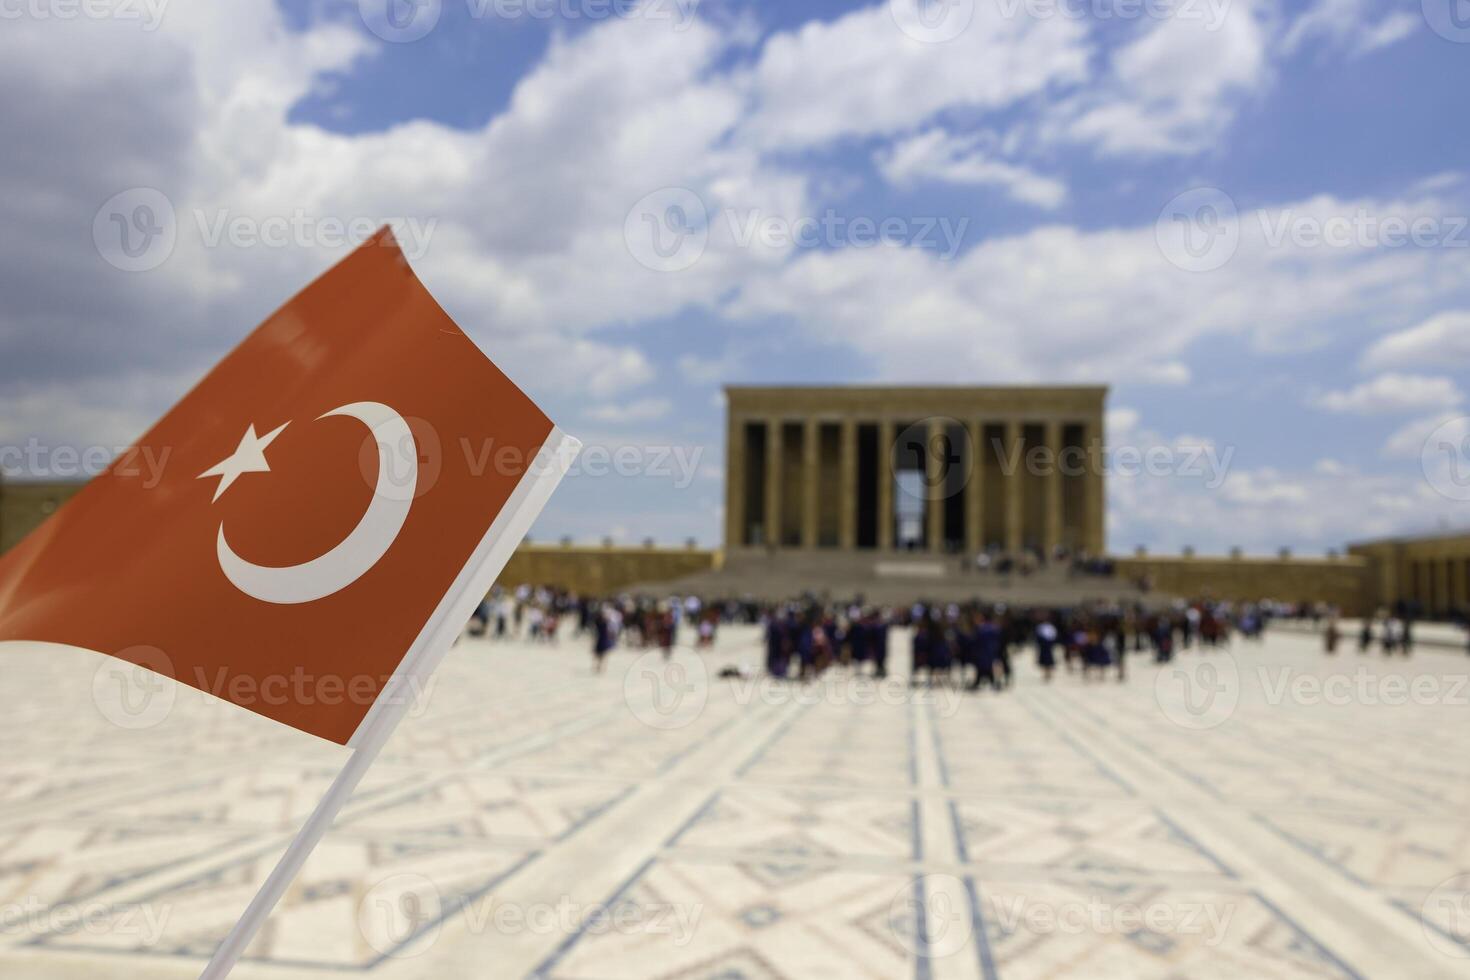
(1246, 216)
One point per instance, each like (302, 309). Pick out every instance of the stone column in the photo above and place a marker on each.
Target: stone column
(934, 459)
(1094, 513)
(1051, 534)
(809, 478)
(974, 489)
(1016, 460)
(734, 483)
(885, 485)
(847, 490)
(773, 482)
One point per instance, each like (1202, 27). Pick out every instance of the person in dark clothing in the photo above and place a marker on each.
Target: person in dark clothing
(941, 651)
(1046, 642)
(878, 643)
(987, 652)
(602, 640)
(919, 651)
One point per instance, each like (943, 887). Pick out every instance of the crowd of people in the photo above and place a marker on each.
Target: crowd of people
(1390, 629)
(1029, 561)
(642, 622)
(973, 644)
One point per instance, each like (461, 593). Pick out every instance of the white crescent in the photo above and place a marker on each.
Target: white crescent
(369, 540)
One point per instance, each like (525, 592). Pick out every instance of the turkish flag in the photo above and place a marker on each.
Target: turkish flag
(333, 500)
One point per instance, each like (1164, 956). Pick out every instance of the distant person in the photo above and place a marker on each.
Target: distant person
(1046, 642)
(667, 631)
(777, 660)
(941, 651)
(918, 651)
(1003, 651)
(602, 639)
(1163, 640)
(987, 652)
(878, 643)
(1393, 631)
(480, 619)
(1095, 656)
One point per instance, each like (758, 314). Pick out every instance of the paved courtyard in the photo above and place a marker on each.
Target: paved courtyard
(1270, 812)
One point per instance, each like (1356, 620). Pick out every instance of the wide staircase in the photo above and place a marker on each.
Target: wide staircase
(891, 578)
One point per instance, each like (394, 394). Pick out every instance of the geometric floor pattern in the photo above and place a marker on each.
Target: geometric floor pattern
(1261, 811)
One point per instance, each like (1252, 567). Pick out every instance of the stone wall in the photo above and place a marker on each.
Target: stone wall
(23, 506)
(1342, 581)
(601, 570)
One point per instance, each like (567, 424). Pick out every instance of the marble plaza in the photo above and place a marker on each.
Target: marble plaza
(1268, 813)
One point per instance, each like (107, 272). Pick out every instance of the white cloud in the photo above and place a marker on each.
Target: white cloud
(1408, 441)
(1441, 341)
(1058, 303)
(1356, 26)
(1211, 498)
(711, 370)
(639, 410)
(859, 75)
(1391, 29)
(940, 156)
(1262, 508)
(1264, 487)
(1392, 394)
(1121, 422)
(1173, 89)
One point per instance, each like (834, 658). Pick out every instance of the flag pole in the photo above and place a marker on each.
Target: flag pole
(469, 588)
(285, 871)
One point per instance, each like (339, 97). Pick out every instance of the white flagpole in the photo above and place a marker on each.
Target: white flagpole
(289, 866)
(484, 566)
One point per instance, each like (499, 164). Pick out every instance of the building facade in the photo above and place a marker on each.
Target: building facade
(1430, 573)
(933, 468)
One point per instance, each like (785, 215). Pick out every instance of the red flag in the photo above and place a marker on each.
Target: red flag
(335, 497)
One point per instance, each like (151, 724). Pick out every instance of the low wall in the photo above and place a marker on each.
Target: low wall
(600, 570)
(1342, 581)
(23, 506)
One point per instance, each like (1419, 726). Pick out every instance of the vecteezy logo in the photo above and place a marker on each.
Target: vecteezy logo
(932, 21)
(666, 693)
(939, 449)
(133, 690)
(135, 230)
(667, 231)
(1450, 19)
(1446, 458)
(930, 917)
(1200, 693)
(400, 915)
(1199, 230)
(1445, 916)
(400, 21)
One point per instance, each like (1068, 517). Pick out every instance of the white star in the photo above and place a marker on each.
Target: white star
(248, 457)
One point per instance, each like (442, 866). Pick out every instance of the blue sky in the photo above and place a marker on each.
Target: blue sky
(1025, 154)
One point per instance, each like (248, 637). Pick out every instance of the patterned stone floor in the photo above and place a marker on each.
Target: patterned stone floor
(1263, 812)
